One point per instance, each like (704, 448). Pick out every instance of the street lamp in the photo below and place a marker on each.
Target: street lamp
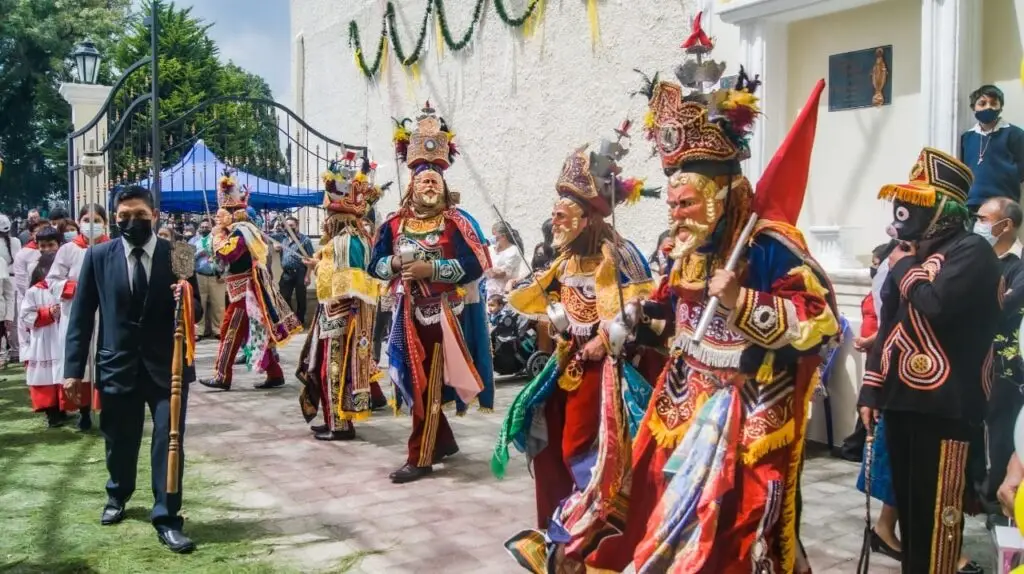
(87, 62)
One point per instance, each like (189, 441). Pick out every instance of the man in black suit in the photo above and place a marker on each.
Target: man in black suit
(130, 282)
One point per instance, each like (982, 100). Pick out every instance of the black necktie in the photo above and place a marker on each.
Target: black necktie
(140, 285)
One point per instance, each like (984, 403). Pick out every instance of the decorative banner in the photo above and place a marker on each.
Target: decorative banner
(436, 8)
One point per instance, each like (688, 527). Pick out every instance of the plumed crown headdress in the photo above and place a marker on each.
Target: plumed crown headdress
(688, 123)
(229, 195)
(593, 177)
(431, 142)
(349, 186)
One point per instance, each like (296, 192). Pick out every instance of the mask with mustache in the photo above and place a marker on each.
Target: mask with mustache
(567, 223)
(694, 210)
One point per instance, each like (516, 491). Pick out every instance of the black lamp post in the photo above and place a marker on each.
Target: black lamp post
(87, 62)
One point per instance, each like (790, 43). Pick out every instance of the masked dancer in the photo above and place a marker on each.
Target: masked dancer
(433, 255)
(931, 370)
(336, 365)
(718, 492)
(256, 315)
(575, 421)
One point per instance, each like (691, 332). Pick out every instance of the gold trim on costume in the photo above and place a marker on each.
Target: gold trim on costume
(947, 532)
(432, 408)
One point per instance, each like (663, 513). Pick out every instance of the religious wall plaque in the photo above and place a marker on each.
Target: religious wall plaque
(860, 79)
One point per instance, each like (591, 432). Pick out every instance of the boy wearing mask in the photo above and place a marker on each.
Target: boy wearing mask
(993, 149)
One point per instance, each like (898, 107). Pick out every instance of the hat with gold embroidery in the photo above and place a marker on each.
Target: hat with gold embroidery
(936, 175)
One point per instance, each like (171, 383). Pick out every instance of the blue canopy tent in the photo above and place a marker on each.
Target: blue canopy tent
(183, 186)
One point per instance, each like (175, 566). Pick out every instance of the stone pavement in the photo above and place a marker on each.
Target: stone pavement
(330, 504)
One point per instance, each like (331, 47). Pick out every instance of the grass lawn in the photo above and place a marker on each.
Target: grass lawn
(52, 491)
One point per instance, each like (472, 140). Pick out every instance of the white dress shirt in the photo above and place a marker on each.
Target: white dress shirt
(147, 258)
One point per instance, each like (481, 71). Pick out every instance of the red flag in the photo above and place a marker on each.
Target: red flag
(781, 189)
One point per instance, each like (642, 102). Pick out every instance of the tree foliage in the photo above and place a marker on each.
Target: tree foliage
(35, 38)
(191, 75)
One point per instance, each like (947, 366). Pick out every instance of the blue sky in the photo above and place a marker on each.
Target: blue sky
(253, 34)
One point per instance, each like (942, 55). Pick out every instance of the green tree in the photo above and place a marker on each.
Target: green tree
(36, 37)
(190, 76)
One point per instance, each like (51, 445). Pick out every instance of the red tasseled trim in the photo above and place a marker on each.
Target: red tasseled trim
(42, 284)
(45, 317)
(70, 286)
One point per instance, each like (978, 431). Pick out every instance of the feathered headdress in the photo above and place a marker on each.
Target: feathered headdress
(689, 122)
(431, 142)
(229, 195)
(590, 177)
(348, 185)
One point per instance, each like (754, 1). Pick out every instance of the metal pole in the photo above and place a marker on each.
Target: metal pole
(154, 35)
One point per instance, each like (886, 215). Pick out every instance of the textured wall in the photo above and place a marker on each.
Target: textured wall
(518, 105)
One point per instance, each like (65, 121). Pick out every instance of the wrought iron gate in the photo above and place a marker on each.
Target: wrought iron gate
(277, 154)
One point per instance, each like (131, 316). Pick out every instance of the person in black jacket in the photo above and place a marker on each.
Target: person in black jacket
(999, 220)
(931, 364)
(129, 281)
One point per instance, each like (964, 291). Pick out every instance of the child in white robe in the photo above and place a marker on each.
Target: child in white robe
(63, 282)
(39, 316)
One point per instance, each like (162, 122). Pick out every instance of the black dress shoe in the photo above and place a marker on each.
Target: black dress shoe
(319, 428)
(440, 455)
(881, 547)
(971, 567)
(176, 541)
(270, 384)
(348, 434)
(410, 473)
(377, 404)
(215, 384)
(113, 513)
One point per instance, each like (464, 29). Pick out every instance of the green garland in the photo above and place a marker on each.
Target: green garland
(390, 29)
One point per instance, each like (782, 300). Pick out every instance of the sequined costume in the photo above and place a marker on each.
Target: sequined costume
(717, 460)
(930, 371)
(336, 365)
(256, 315)
(438, 350)
(576, 419)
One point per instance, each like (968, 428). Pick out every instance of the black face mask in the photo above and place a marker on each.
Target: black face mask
(136, 231)
(874, 271)
(911, 221)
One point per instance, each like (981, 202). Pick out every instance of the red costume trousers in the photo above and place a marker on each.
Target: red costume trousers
(430, 431)
(573, 421)
(234, 332)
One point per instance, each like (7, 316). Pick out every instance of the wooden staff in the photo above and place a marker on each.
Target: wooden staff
(183, 263)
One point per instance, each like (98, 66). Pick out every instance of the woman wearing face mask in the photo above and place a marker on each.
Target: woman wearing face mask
(91, 229)
(993, 149)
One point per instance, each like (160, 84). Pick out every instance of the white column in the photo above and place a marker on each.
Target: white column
(86, 101)
(764, 52)
(950, 69)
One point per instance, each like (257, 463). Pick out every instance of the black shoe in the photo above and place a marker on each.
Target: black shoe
(270, 384)
(84, 420)
(176, 541)
(319, 428)
(113, 513)
(410, 473)
(347, 434)
(215, 384)
(440, 455)
(881, 547)
(377, 404)
(240, 360)
(971, 567)
(55, 418)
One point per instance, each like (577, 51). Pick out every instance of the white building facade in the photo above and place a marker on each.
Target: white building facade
(519, 103)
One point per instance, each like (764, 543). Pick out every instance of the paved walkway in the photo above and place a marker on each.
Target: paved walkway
(331, 504)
